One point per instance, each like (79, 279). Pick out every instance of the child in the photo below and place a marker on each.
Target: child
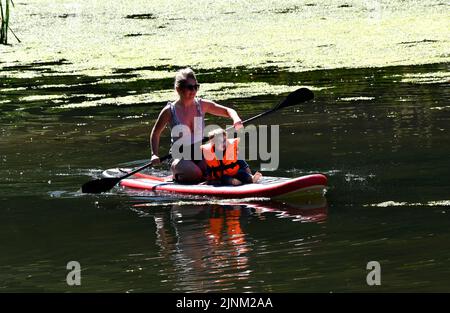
(223, 166)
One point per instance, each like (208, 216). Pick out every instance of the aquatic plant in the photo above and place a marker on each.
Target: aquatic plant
(4, 14)
(5, 22)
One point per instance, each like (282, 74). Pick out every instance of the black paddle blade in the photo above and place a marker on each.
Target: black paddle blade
(99, 185)
(296, 97)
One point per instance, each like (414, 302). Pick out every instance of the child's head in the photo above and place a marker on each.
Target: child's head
(218, 137)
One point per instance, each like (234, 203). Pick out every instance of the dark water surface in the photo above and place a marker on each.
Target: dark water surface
(381, 135)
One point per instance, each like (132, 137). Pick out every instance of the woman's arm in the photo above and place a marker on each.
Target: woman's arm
(161, 122)
(220, 110)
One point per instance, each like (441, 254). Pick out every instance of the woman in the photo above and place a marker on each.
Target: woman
(183, 111)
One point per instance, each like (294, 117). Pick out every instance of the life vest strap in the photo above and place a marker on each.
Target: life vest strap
(222, 167)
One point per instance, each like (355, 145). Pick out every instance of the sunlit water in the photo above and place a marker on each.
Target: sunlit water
(82, 95)
(97, 37)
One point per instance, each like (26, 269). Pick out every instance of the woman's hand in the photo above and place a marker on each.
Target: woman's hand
(238, 125)
(155, 160)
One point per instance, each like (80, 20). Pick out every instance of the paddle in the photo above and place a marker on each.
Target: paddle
(105, 184)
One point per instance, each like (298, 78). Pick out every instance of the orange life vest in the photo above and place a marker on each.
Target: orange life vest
(228, 165)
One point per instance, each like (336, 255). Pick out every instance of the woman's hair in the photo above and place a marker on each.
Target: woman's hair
(183, 75)
(216, 132)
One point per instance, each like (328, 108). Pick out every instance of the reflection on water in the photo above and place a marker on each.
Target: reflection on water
(211, 246)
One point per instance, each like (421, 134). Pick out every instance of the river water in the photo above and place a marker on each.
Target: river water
(81, 92)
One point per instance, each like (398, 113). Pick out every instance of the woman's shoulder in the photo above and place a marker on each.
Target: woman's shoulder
(166, 110)
(170, 104)
(205, 103)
